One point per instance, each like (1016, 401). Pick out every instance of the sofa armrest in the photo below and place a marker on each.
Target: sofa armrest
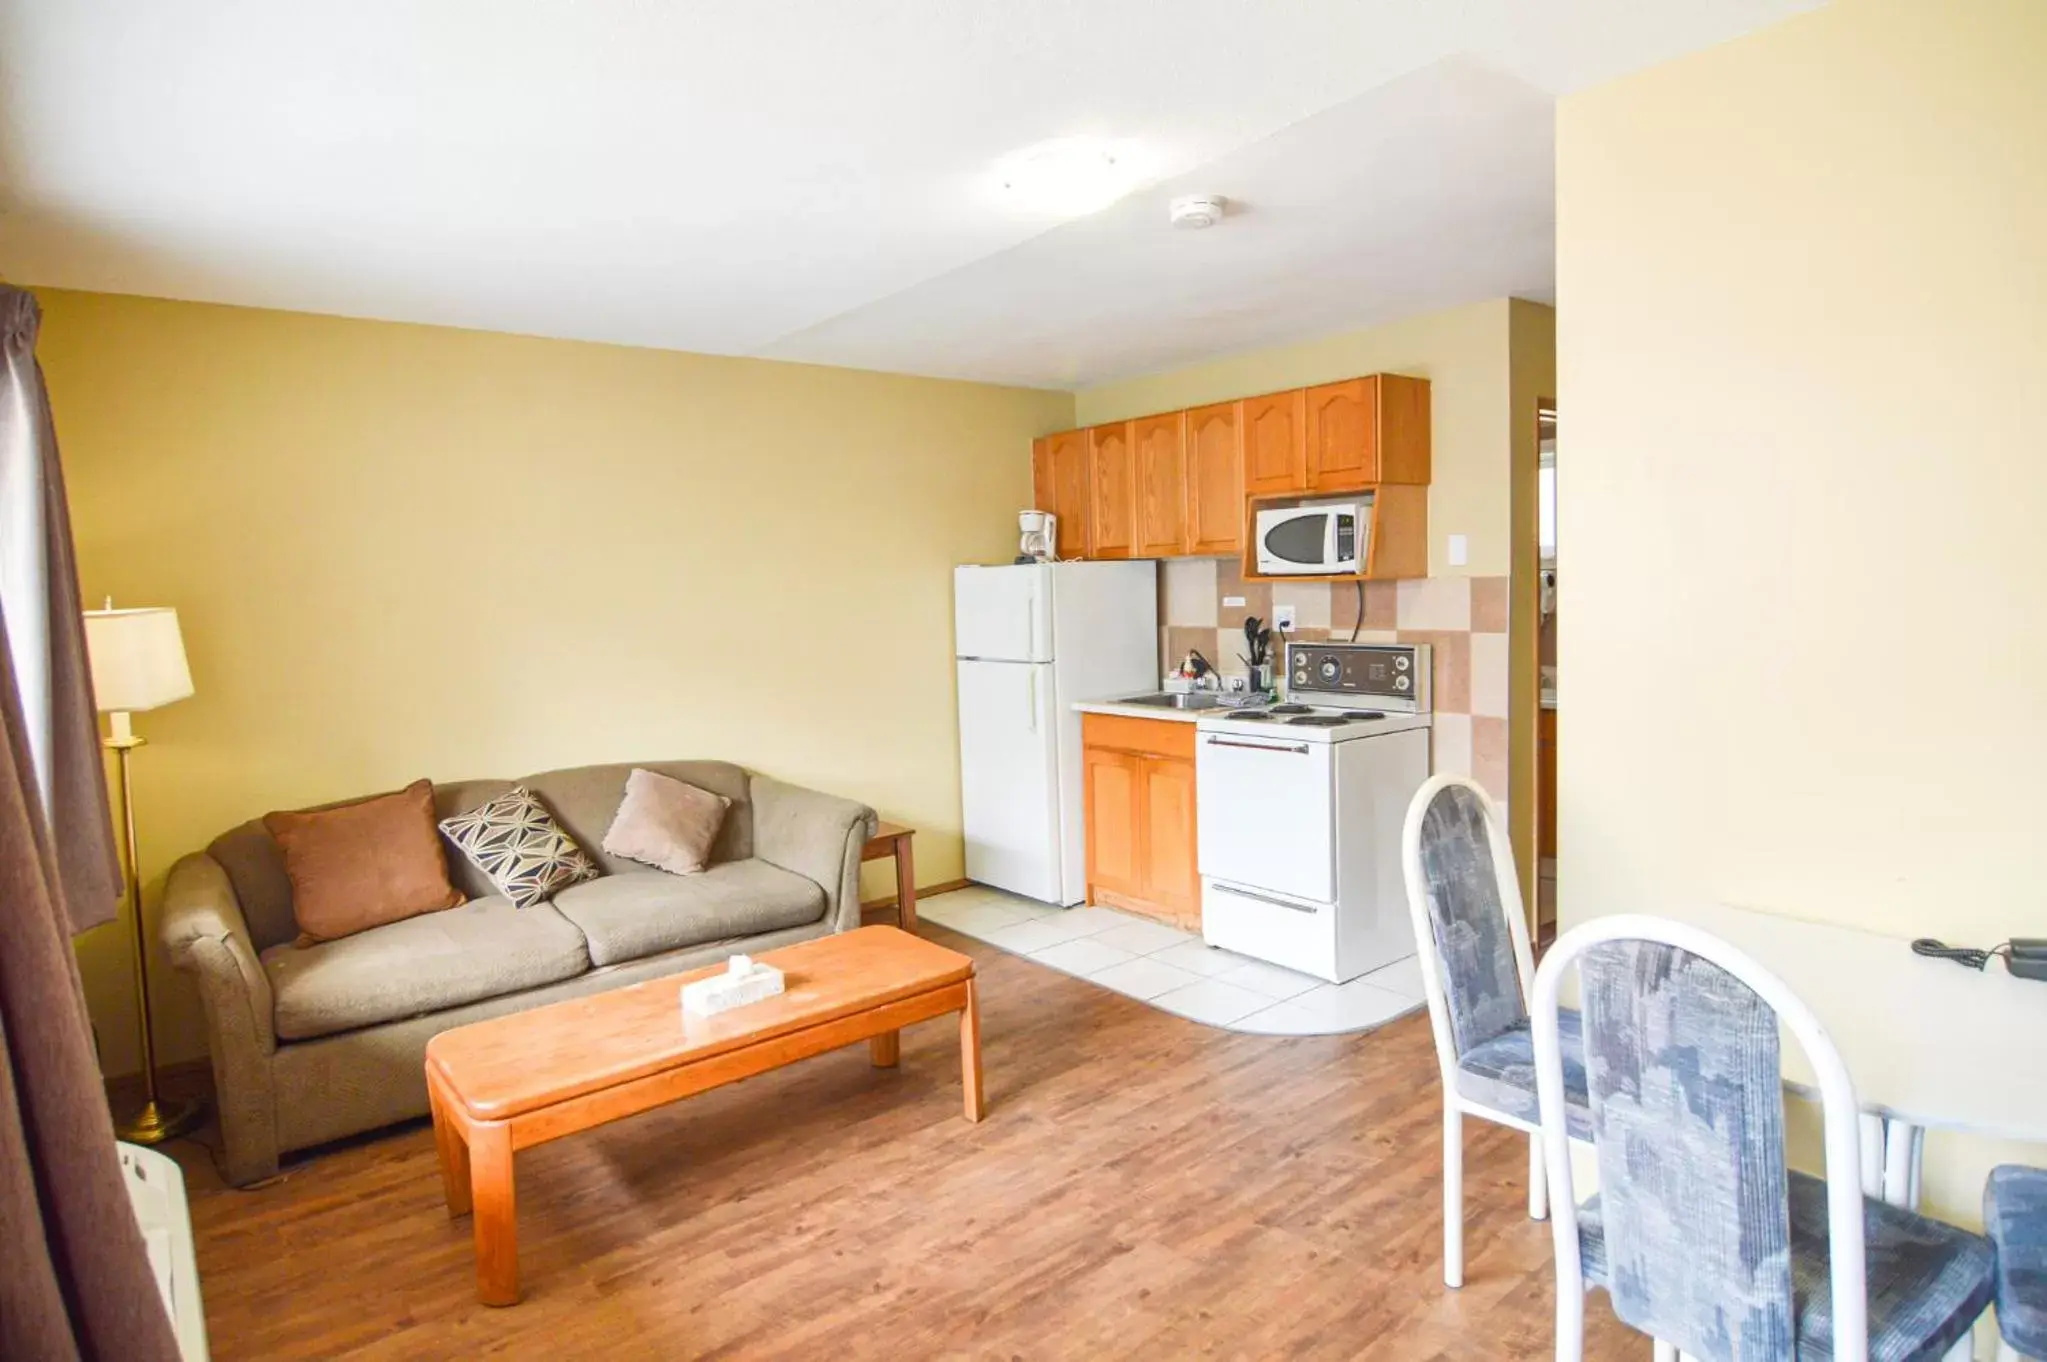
(816, 835)
(203, 929)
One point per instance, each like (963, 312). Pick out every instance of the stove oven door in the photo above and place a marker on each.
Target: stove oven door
(1266, 812)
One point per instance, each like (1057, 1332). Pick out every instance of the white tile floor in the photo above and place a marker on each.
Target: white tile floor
(1176, 970)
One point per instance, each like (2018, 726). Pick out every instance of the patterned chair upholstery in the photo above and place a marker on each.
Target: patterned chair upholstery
(1476, 963)
(1699, 1233)
(1473, 946)
(2015, 1215)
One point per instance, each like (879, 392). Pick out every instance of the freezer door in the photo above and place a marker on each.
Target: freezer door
(1266, 813)
(1003, 614)
(1008, 799)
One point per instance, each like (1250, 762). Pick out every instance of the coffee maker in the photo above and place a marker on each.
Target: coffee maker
(1040, 540)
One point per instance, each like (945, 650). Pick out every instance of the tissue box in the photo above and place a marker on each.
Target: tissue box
(744, 981)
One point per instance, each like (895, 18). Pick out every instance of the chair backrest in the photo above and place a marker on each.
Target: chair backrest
(1685, 1083)
(1469, 930)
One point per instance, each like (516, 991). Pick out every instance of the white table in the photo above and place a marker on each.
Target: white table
(1928, 1042)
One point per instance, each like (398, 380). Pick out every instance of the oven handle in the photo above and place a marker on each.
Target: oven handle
(1298, 748)
(1243, 893)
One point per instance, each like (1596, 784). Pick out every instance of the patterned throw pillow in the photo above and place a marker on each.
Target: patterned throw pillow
(515, 840)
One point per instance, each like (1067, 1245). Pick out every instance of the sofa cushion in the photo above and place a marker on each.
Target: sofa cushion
(514, 840)
(424, 964)
(666, 823)
(586, 798)
(640, 912)
(363, 864)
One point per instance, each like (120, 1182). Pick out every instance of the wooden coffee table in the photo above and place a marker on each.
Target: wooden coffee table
(510, 1083)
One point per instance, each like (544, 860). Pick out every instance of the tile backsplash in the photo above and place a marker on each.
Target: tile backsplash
(1463, 618)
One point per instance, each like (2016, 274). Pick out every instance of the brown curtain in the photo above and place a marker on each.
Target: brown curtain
(75, 1280)
(88, 867)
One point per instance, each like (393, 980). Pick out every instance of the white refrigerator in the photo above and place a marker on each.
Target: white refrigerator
(1031, 640)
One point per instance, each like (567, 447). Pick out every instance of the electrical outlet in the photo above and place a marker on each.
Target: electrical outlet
(1283, 618)
(1233, 602)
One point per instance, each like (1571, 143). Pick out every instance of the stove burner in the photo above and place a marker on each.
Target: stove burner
(1320, 720)
(1263, 716)
(1291, 709)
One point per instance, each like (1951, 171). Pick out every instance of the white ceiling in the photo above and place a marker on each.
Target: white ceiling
(807, 179)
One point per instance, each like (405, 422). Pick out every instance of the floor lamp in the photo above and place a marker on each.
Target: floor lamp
(138, 662)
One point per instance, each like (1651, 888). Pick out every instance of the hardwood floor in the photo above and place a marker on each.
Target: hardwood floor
(1142, 1187)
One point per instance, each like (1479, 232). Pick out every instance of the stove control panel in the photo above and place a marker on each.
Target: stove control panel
(1390, 676)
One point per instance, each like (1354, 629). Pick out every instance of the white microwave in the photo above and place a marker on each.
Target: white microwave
(1326, 539)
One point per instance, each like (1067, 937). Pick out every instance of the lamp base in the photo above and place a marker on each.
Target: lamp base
(160, 1121)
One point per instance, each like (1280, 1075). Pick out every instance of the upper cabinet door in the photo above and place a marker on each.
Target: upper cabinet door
(1275, 434)
(1343, 435)
(1404, 438)
(1215, 480)
(1160, 443)
(1063, 489)
(1113, 530)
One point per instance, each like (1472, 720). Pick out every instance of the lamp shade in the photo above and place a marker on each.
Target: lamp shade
(138, 658)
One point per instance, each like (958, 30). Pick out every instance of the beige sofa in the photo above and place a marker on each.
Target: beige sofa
(313, 1043)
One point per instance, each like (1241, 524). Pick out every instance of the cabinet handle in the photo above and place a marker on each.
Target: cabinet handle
(1299, 749)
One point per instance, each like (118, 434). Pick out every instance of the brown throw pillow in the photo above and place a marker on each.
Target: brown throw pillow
(361, 865)
(665, 823)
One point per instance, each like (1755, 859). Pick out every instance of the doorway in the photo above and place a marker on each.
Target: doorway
(1546, 671)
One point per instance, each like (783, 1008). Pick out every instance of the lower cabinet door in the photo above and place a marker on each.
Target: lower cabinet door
(1113, 796)
(1171, 879)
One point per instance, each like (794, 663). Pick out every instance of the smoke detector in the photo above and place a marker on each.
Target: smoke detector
(1195, 211)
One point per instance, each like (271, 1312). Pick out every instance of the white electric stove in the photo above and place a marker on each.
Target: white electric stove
(1301, 807)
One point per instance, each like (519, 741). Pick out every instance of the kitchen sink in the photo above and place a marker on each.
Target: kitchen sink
(1197, 700)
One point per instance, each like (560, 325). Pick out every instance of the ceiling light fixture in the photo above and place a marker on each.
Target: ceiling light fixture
(1072, 176)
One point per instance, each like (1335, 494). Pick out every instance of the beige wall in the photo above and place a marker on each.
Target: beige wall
(401, 551)
(1463, 352)
(1802, 337)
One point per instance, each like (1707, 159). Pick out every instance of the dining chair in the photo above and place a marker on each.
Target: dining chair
(2015, 1217)
(1471, 940)
(1699, 1233)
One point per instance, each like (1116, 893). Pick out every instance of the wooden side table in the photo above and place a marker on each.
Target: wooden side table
(893, 839)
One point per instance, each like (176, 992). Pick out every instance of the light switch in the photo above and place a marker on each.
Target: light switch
(1460, 550)
(1233, 602)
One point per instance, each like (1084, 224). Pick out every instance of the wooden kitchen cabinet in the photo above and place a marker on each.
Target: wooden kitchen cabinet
(1171, 878)
(1112, 800)
(1343, 421)
(1366, 431)
(1138, 789)
(1159, 449)
(1186, 482)
(1275, 435)
(1060, 484)
(1215, 480)
(1112, 525)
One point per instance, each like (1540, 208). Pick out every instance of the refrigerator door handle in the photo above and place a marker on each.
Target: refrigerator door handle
(1034, 699)
(1031, 626)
